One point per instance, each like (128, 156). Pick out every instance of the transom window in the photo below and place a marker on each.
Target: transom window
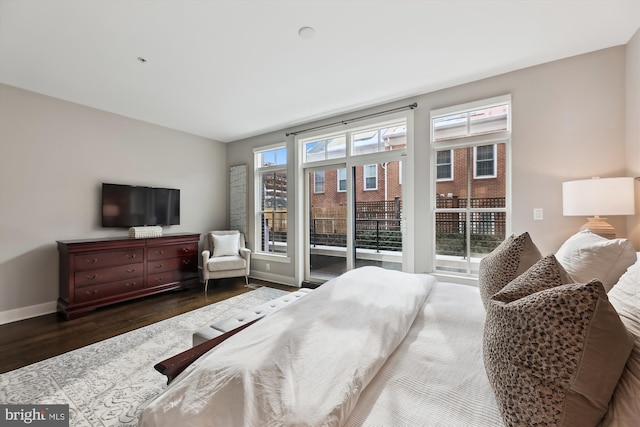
(387, 136)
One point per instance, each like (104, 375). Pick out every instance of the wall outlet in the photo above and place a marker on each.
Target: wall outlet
(538, 214)
(268, 266)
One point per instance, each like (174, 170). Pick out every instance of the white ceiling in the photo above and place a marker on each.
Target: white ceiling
(227, 70)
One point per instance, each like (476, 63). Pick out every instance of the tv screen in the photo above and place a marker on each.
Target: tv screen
(133, 206)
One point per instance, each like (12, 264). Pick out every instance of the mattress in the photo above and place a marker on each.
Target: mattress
(407, 354)
(436, 376)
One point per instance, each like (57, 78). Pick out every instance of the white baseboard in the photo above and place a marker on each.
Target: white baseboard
(275, 278)
(27, 312)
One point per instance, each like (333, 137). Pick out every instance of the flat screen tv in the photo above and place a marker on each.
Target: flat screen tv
(134, 206)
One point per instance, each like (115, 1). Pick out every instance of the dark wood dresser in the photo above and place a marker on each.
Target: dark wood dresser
(95, 273)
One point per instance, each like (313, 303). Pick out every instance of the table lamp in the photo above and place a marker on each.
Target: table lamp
(598, 196)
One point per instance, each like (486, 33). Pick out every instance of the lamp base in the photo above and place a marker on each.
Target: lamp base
(599, 226)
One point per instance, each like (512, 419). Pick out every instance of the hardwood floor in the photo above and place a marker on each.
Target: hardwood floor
(31, 340)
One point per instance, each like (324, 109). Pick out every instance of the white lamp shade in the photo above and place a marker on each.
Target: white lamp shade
(598, 196)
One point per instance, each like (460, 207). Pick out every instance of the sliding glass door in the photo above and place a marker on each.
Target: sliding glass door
(354, 218)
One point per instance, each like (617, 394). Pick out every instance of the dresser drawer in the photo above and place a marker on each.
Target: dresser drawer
(92, 260)
(105, 290)
(170, 251)
(163, 278)
(108, 274)
(180, 263)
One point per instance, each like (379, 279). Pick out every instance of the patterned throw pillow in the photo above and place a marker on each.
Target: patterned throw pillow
(553, 352)
(509, 260)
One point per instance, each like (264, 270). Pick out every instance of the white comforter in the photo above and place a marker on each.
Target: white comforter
(305, 365)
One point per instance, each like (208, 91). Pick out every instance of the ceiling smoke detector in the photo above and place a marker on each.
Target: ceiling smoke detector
(306, 32)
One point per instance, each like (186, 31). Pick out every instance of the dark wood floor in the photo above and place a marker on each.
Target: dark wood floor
(31, 340)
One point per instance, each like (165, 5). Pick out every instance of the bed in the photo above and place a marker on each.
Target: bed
(382, 348)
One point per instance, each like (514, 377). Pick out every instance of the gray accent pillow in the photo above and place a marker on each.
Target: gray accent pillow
(553, 352)
(506, 262)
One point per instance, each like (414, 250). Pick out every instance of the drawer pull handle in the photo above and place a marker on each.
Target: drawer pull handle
(93, 292)
(130, 285)
(91, 261)
(159, 252)
(131, 256)
(158, 266)
(186, 261)
(158, 279)
(131, 270)
(93, 276)
(185, 250)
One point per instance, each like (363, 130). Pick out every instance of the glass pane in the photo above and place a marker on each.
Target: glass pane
(488, 120)
(380, 139)
(272, 157)
(394, 137)
(323, 149)
(451, 126)
(452, 193)
(486, 232)
(468, 123)
(327, 228)
(464, 238)
(378, 239)
(273, 206)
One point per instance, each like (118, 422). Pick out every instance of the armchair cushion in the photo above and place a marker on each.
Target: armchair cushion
(226, 263)
(226, 244)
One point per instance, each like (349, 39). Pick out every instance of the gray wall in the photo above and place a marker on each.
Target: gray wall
(568, 123)
(53, 157)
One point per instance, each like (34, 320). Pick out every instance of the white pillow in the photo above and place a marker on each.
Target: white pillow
(226, 244)
(587, 256)
(624, 408)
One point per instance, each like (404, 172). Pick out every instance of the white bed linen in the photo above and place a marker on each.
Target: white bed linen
(304, 365)
(436, 376)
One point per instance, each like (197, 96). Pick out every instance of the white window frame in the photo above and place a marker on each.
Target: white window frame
(404, 155)
(503, 136)
(259, 253)
(373, 167)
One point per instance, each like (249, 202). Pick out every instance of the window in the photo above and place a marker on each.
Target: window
(480, 120)
(378, 139)
(271, 206)
(342, 180)
(471, 213)
(484, 161)
(371, 177)
(318, 182)
(444, 165)
(324, 148)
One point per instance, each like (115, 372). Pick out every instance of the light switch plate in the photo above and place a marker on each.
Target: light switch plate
(537, 214)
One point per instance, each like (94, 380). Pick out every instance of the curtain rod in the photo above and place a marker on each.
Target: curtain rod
(347, 121)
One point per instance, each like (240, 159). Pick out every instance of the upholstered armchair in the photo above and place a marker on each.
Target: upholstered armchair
(225, 255)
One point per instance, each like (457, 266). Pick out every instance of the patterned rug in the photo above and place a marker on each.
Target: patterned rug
(107, 383)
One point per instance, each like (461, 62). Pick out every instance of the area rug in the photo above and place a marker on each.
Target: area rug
(108, 383)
